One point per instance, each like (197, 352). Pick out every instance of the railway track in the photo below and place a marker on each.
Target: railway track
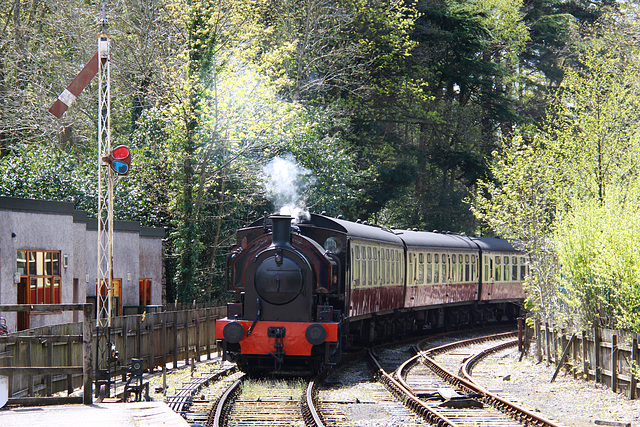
(404, 391)
(268, 402)
(431, 389)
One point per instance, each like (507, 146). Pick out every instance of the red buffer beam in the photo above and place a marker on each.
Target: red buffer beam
(72, 91)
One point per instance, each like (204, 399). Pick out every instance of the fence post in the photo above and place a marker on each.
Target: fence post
(596, 354)
(152, 341)
(634, 358)
(29, 363)
(197, 312)
(574, 357)
(87, 362)
(164, 341)
(548, 339)
(555, 346)
(186, 337)
(138, 337)
(207, 332)
(49, 377)
(69, 363)
(614, 363)
(125, 339)
(175, 339)
(585, 365)
(538, 341)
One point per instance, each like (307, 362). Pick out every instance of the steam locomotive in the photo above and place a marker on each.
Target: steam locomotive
(305, 292)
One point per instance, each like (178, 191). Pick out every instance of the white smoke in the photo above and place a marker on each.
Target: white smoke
(287, 185)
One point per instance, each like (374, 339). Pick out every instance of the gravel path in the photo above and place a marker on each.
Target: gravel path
(568, 401)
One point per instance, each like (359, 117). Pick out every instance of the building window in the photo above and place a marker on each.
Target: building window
(41, 271)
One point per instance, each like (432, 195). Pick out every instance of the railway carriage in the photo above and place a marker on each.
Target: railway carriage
(303, 293)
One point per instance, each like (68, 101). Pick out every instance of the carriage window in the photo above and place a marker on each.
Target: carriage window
(444, 273)
(420, 268)
(429, 269)
(393, 266)
(454, 268)
(506, 269)
(474, 271)
(498, 269)
(369, 267)
(436, 268)
(363, 264)
(523, 269)
(467, 268)
(382, 267)
(355, 268)
(514, 268)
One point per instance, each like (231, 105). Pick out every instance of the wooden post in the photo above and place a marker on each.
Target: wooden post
(138, 336)
(197, 313)
(164, 342)
(555, 346)
(49, 377)
(574, 358)
(520, 334)
(175, 339)
(29, 364)
(207, 332)
(186, 337)
(585, 365)
(614, 363)
(538, 341)
(125, 341)
(596, 354)
(152, 341)
(564, 355)
(87, 362)
(636, 365)
(69, 363)
(548, 339)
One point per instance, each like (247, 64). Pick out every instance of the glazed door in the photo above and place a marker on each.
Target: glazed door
(23, 298)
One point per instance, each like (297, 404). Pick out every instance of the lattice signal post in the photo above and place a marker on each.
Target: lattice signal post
(109, 161)
(106, 355)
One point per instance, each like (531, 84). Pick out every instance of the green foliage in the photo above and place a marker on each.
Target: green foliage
(599, 250)
(48, 173)
(568, 193)
(520, 202)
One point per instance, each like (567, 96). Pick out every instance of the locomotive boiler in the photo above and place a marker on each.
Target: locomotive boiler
(303, 293)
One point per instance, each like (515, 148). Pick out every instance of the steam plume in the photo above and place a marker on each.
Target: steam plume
(287, 185)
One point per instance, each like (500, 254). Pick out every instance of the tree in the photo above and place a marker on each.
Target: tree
(520, 202)
(559, 191)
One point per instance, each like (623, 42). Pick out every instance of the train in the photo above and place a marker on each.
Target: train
(305, 291)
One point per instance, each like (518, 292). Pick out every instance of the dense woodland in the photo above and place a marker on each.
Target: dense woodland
(496, 117)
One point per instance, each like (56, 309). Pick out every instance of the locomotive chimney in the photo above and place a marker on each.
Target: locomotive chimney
(281, 230)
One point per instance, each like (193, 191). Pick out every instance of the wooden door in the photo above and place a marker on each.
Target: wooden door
(23, 298)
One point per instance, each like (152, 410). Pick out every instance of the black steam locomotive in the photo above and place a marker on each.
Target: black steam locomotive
(304, 292)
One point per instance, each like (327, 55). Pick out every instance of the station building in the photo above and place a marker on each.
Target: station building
(48, 255)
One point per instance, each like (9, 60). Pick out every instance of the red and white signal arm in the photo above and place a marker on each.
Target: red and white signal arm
(72, 91)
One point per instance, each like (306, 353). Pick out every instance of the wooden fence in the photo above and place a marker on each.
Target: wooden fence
(161, 339)
(606, 356)
(49, 358)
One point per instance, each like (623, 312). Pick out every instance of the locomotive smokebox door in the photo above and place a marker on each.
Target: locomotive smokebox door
(279, 284)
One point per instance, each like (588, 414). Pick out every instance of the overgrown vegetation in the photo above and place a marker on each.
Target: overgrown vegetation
(406, 112)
